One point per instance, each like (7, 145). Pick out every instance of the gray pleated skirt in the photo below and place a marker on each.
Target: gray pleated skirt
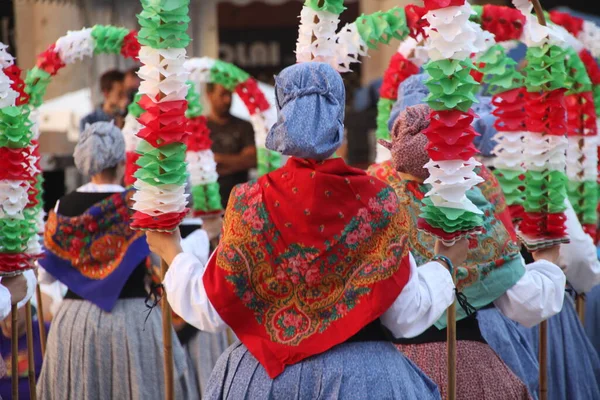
(95, 355)
(365, 370)
(203, 351)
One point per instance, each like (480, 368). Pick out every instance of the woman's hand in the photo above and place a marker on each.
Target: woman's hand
(165, 245)
(17, 286)
(549, 254)
(457, 253)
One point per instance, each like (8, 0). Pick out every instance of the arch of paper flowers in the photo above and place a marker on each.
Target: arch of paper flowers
(508, 88)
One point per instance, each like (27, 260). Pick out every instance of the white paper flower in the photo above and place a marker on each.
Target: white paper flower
(316, 40)
(509, 151)
(75, 45)
(130, 130)
(163, 72)
(201, 167)
(199, 68)
(157, 200)
(349, 47)
(13, 198)
(6, 59)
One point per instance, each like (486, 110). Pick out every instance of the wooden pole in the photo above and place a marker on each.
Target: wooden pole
(543, 360)
(580, 306)
(167, 338)
(451, 344)
(41, 319)
(30, 351)
(14, 341)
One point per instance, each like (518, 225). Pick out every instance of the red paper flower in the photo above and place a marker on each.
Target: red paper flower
(516, 212)
(199, 138)
(399, 69)
(18, 85)
(253, 98)
(546, 112)
(130, 167)
(591, 66)
(164, 123)
(451, 135)
(590, 229)
(510, 110)
(447, 236)
(163, 222)
(504, 22)
(543, 225)
(14, 164)
(437, 4)
(50, 61)
(11, 262)
(200, 213)
(415, 21)
(572, 24)
(478, 76)
(581, 114)
(131, 47)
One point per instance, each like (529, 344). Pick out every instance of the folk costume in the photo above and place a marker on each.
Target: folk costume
(494, 274)
(310, 266)
(103, 344)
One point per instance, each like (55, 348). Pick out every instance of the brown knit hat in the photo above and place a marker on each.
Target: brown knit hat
(408, 142)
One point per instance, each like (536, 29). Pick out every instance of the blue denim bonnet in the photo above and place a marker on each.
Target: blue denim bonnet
(310, 111)
(413, 91)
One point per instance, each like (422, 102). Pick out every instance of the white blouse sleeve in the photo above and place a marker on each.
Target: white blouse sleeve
(537, 296)
(187, 296)
(5, 302)
(427, 294)
(198, 244)
(31, 284)
(579, 258)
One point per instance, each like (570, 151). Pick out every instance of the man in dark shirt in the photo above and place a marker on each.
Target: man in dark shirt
(114, 106)
(233, 141)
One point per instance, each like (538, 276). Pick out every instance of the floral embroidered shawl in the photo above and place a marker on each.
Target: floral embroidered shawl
(493, 263)
(95, 253)
(310, 254)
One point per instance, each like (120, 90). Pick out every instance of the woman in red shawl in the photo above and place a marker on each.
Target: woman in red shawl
(311, 267)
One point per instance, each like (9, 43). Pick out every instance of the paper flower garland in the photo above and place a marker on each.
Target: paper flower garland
(160, 199)
(505, 83)
(544, 141)
(200, 159)
(318, 25)
(130, 131)
(447, 213)
(75, 46)
(207, 70)
(19, 176)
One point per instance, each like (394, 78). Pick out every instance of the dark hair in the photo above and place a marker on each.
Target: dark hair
(132, 70)
(210, 87)
(109, 78)
(110, 172)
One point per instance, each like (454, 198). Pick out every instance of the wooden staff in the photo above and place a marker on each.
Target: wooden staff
(30, 351)
(41, 319)
(580, 306)
(14, 341)
(451, 346)
(543, 360)
(167, 325)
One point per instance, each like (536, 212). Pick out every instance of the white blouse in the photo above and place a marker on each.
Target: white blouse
(579, 258)
(538, 295)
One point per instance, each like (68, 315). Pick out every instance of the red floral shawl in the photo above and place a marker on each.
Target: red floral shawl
(310, 254)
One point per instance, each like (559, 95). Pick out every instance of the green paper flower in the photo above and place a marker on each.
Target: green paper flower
(384, 111)
(15, 127)
(164, 165)
(500, 71)
(164, 24)
(227, 75)
(545, 191)
(596, 93)
(15, 233)
(381, 27)
(134, 108)
(194, 104)
(546, 68)
(267, 160)
(584, 199)
(108, 39)
(476, 17)
(511, 185)
(451, 85)
(207, 197)
(577, 77)
(36, 83)
(332, 6)
(450, 220)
